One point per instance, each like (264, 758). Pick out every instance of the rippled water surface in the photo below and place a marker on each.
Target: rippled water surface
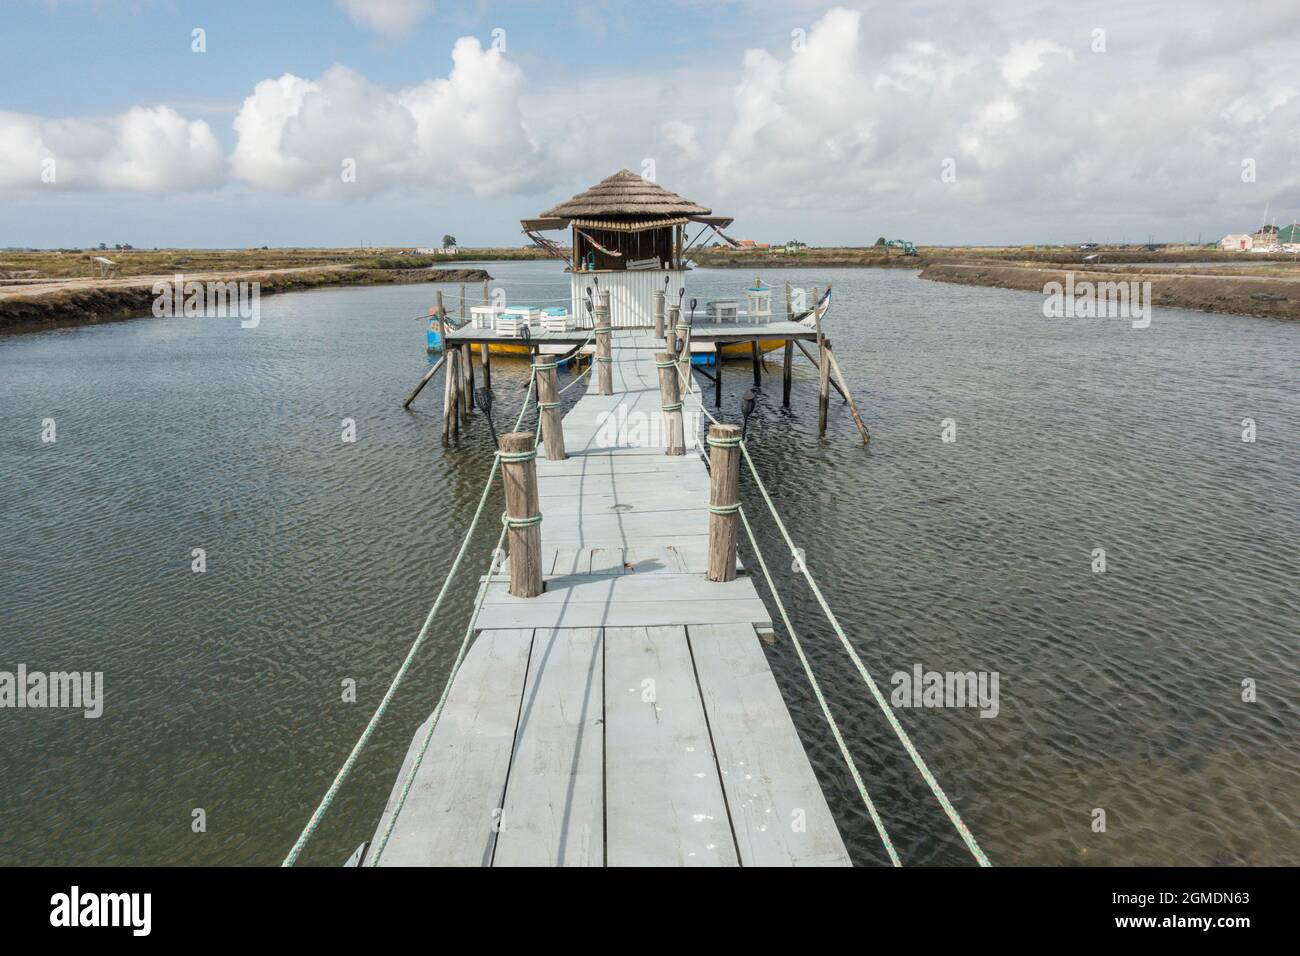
(1120, 691)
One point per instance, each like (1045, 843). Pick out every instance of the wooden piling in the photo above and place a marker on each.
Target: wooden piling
(787, 371)
(462, 303)
(670, 329)
(659, 313)
(844, 390)
(717, 378)
(724, 500)
(483, 357)
(670, 400)
(757, 354)
(450, 395)
(467, 381)
(548, 405)
(789, 304)
(523, 514)
(823, 385)
(812, 358)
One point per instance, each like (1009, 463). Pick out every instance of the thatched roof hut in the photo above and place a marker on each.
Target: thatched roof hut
(624, 222)
(625, 194)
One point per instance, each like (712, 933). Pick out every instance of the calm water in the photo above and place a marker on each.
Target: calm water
(1119, 690)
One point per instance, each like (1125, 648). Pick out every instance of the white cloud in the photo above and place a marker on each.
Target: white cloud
(465, 131)
(142, 150)
(1037, 123)
(389, 17)
(682, 136)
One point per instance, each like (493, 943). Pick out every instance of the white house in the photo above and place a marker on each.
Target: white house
(1237, 242)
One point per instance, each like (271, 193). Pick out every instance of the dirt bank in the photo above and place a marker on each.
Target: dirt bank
(59, 303)
(1272, 296)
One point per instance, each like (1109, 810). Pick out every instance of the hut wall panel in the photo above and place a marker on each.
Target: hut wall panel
(631, 295)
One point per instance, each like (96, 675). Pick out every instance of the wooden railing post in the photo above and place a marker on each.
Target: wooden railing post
(670, 400)
(548, 404)
(523, 514)
(724, 500)
(684, 364)
(604, 346)
(659, 313)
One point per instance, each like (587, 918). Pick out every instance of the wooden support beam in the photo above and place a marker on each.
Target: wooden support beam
(604, 346)
(717, 379)
(670, 400)
(787, 369)
(484, 356)
(548, 404)
(835, 367)
(812, 358)
(424, 381)
(757, 354)
(724, 497)
(523, 513)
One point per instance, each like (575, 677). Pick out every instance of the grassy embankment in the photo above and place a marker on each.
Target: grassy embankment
(47, 289)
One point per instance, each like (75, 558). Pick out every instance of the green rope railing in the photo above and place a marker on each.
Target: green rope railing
(953, 815)
(369, 730)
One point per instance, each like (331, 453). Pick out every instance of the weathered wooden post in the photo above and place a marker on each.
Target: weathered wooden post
(789, 304)
(756, 353)
(548, 405)
(604, 346)
(844, 390)
(450, 396)
(787, 371)
(823, 383)
(523, 517)
(684, 364)
(724, 500)
(659, 313)
(670, 329)
(467, 380)
(487, 364)
(717, 376)
(670, 400)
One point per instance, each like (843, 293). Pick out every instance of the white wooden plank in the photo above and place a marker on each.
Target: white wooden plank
(664, 802)
(778, 811)
(449, 815)
(607, 588)
(626, 614)
(553, 813)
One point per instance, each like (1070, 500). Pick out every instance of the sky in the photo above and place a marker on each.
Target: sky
(394, 122)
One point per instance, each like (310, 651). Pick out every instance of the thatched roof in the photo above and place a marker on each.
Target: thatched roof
(626, 194)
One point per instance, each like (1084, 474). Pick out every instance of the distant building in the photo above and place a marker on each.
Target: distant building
(1288, 237)
(1237, 242)
(751, 244)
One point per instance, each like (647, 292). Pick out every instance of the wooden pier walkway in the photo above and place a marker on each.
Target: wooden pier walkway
(627, 715)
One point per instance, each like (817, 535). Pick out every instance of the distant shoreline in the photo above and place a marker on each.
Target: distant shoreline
(66, 303)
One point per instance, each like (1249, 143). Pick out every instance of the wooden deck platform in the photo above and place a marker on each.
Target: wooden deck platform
(627, 716)
(711, 332)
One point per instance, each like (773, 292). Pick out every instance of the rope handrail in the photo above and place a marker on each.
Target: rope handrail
(954, 817)
(378, 851)
(369, 730)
